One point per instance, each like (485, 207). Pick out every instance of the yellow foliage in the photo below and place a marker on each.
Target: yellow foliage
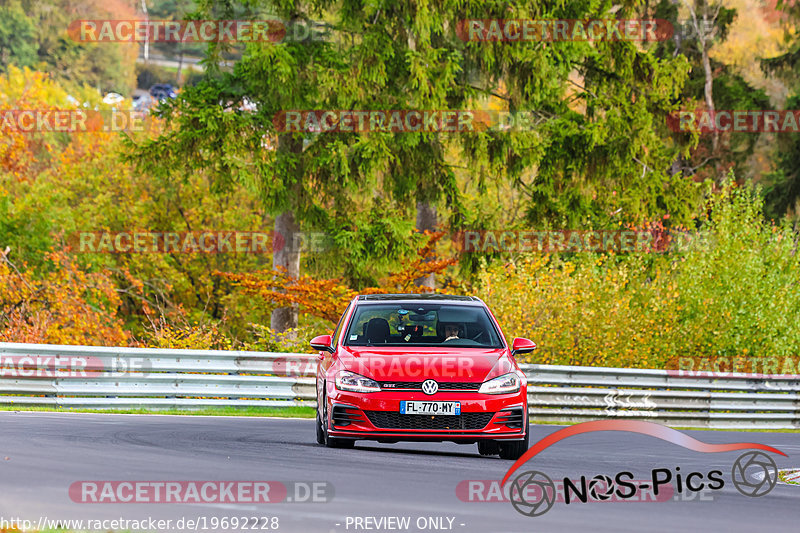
(752, 36)
(593, 313)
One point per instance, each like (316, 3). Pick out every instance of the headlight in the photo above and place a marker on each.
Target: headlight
(501, 385)
(350, 381)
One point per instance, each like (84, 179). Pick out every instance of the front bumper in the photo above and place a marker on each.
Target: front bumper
(376, 416)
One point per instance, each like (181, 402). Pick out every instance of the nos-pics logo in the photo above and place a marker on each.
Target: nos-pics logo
(533, 493)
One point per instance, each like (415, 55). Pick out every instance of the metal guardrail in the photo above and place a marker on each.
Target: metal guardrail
(101, 377)
(720, 400)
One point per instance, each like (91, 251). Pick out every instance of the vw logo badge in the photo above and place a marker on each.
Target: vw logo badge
(429, 386)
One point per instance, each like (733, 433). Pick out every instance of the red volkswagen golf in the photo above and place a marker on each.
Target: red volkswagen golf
(418, 367)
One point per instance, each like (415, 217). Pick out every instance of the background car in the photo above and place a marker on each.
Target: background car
(143, 102)
(421, 367)
(113, 99)
(163, 91)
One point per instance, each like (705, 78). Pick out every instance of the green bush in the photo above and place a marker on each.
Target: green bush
(738, 285)
(729, 291)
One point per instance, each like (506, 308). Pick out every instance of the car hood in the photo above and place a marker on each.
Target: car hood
(419, 364)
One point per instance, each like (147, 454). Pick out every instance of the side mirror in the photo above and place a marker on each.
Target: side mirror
(322, 342)
(522, 345)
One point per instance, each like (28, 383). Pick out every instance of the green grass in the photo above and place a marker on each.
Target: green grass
(745, 430)
(681, 428)
(289, 412)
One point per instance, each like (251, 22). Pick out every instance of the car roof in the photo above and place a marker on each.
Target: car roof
(423, 297)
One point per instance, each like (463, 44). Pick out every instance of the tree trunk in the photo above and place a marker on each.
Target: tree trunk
(705, 31)
(708, 91)
(287, 231)
(288, 257)
(146, 41)
(426, 220)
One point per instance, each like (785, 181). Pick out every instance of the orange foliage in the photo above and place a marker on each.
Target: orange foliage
(327, 298)
(24, 154)
(66, 306)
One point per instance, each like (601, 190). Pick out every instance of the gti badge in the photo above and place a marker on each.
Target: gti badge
(429, 386)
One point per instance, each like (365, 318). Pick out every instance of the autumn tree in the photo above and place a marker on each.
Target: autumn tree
(782, 185)
(56, 186)
(34, 33)
(719, 79)
(67, 306)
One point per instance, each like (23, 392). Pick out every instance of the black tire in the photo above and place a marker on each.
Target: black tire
(488, 447)
(332, 442)
(320, 431)
(513, 449)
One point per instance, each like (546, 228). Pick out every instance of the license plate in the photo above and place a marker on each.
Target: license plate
(430, 408)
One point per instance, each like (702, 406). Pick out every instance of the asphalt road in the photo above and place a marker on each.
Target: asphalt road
(43, 454)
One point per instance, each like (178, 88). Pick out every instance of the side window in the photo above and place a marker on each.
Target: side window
(362, 316)
(339, 327)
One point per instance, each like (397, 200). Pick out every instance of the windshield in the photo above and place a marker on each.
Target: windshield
(400, 324)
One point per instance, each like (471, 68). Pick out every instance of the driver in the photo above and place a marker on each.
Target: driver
(450, 332)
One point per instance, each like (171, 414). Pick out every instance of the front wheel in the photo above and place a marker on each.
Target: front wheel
(322, 431)
(488, 447)
(513, 449)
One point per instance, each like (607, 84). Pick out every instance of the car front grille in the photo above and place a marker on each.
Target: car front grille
(417, 385)
(395, 420)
